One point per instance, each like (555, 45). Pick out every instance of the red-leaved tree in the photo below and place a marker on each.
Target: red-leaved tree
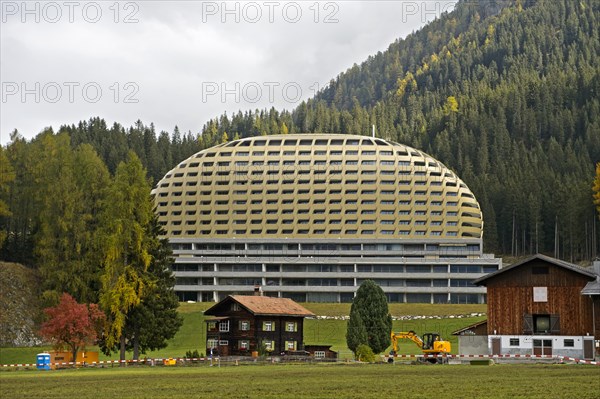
(72, 324)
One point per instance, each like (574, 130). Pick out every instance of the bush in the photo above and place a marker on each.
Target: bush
(364, 353)
(192, 355)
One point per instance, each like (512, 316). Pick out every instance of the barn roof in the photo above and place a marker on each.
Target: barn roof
(548, 259)
(263, 306)
(467, 328)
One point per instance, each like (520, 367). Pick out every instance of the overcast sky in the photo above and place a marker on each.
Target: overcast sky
(182, 63)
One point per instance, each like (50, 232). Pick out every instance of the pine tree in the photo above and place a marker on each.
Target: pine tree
(370, 304)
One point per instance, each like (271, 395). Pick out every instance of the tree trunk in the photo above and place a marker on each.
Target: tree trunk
(122, 348)
(74, 355)
(136, 348)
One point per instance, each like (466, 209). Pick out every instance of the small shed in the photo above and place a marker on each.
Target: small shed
(473, 339)
(321, 351)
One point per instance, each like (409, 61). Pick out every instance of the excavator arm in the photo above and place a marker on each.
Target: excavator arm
(405, 335)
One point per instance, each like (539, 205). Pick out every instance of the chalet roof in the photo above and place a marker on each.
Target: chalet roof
(592, 288)
(474, 325)
(556, 262)
(264, 306)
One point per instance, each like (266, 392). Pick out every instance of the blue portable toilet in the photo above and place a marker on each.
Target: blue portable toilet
(43, 361)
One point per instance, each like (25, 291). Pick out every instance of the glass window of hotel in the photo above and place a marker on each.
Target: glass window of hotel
(268, 326)
(291, 326)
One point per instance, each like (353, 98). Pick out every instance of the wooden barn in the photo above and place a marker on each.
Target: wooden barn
(542, 305)
(241, 324)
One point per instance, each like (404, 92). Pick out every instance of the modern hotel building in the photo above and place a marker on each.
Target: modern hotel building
(311, 216)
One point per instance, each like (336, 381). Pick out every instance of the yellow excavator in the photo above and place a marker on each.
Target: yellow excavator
(430, 344)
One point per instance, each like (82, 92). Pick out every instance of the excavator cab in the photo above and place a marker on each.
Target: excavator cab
(429, 339)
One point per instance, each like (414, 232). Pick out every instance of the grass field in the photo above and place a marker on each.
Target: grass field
(310, 381)
(192, 335)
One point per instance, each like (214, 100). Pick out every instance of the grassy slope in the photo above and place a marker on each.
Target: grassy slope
(192, 334)
(317, 381)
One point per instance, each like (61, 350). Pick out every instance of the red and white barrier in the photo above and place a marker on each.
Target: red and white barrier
(386, 357)
(515, 356)
(141, 361)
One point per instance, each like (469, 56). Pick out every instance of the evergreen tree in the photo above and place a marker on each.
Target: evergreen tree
(370, 304)
(356, 333)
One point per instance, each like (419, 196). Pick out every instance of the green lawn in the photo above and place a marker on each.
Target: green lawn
(192, 335)
(309, 381)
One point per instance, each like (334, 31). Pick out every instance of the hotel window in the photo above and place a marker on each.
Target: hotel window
(268, 326)
(291, 326)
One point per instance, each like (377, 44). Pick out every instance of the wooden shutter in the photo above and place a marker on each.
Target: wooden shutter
(528, 324)
(555, 324)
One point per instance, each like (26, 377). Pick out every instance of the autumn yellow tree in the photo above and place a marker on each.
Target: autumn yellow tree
(126, 249)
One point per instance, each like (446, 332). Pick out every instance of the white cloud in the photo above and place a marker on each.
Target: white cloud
(178, 48)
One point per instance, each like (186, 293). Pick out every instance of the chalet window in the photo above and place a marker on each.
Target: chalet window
(514, 342)
(319, 354)
(211, 326)
(223, 342)
(212, 343)
(268, 326)
(224, 326)
(235, 307)
(290, 345)
(569, 343)
(291, 326)
(269, 345)
(244, 325)
(243, 345)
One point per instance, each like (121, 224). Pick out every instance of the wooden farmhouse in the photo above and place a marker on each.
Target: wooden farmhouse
(542, 306)
(242, 324)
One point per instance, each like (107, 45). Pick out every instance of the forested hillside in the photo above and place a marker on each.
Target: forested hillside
(508, 97)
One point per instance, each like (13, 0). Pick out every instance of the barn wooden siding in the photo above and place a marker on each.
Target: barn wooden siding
(510, 298)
